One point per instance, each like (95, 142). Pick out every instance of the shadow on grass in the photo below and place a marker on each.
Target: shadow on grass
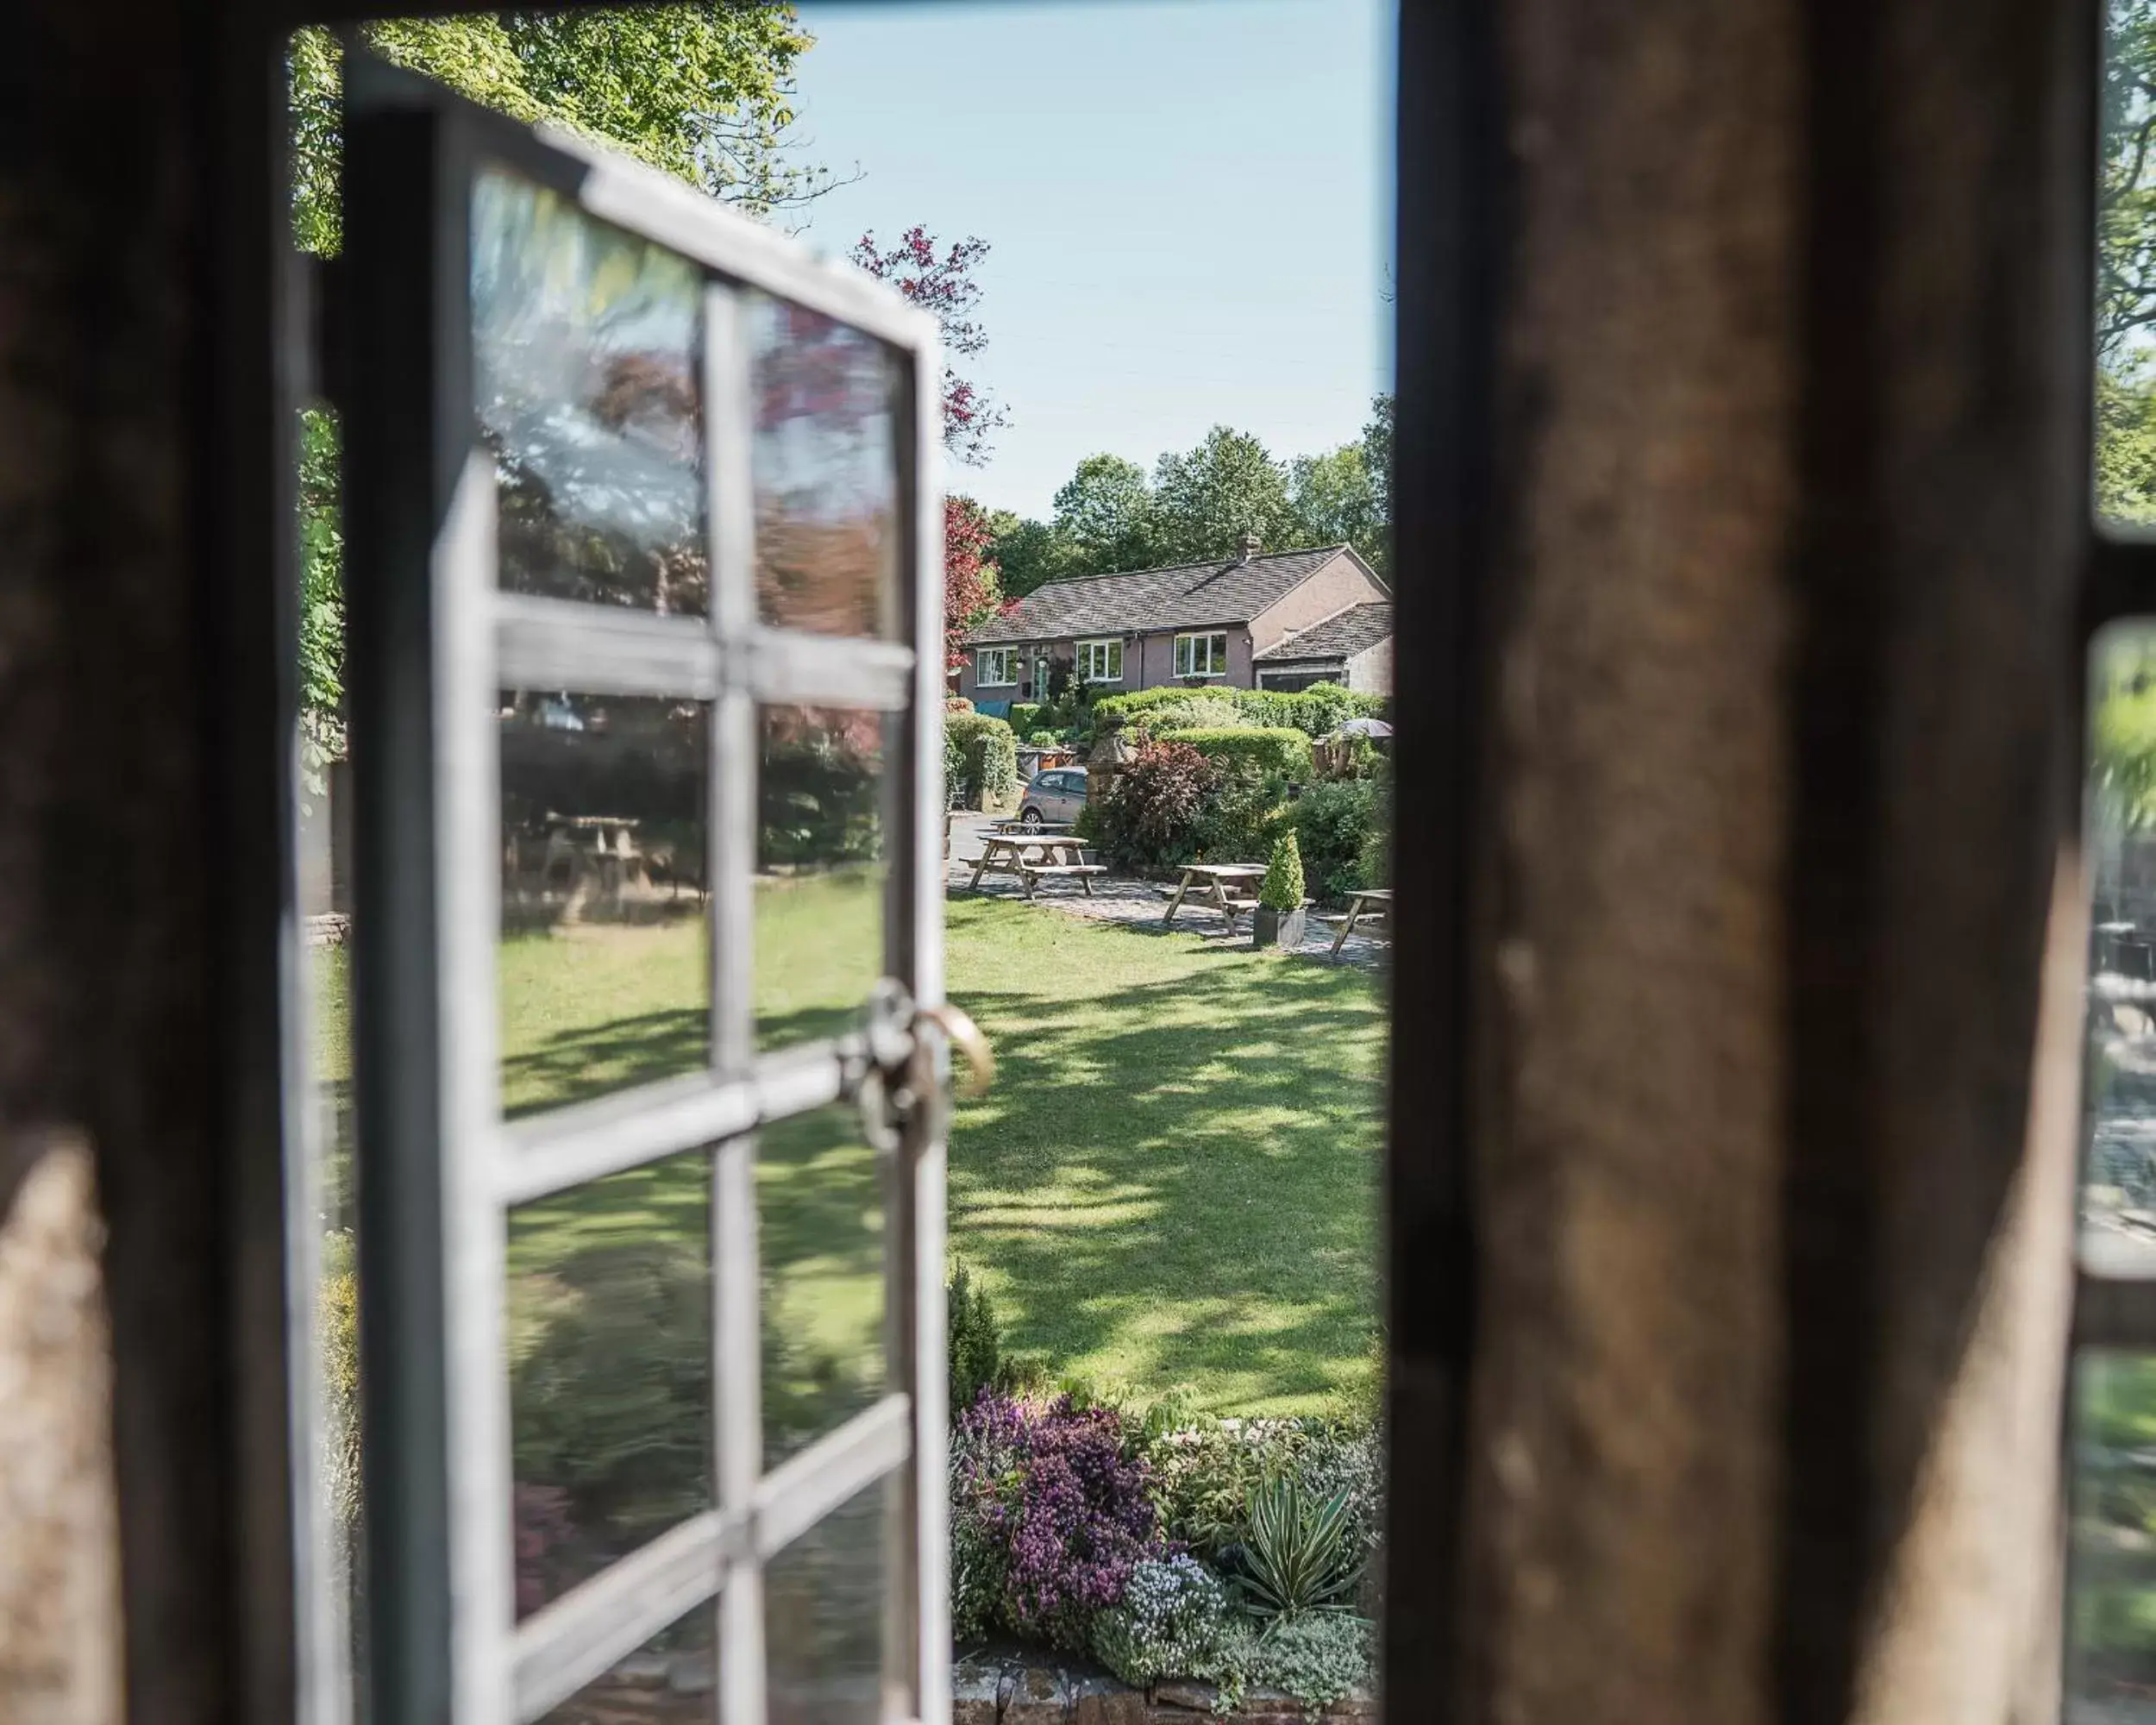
(1180, 1179)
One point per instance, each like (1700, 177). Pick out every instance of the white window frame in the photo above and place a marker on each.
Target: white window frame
(434, 639)
(1105, 648)
(1005, 660)
(1187, 653)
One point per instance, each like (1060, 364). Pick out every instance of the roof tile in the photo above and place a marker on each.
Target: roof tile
(1341, 636)
(1187, 596)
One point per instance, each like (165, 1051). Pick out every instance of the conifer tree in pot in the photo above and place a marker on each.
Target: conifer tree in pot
(1278, 918)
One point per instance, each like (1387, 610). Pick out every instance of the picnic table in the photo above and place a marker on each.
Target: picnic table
(1225, 885)
(1375, 901)
(1033, 857)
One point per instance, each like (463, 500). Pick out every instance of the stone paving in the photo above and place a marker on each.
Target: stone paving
(1141, 904)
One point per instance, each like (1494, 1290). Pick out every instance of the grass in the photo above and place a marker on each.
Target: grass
(1173, 1185)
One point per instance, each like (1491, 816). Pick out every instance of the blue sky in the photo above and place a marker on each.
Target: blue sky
(1189, 201)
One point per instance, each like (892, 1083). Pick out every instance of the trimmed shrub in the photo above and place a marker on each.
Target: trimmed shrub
(991, 775)
(1316, 712)
(1026, 718)
(1151, 815)
(1282, 890)
(1273, 750)
(1337, 825)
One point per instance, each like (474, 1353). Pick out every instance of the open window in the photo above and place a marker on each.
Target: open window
(645, 612)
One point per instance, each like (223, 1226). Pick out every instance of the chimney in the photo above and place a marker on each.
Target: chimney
(1250, 547)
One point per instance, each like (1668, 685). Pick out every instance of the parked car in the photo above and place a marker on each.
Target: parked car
(1054, 798)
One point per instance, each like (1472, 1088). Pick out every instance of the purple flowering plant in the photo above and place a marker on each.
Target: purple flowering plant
(1055, 1507)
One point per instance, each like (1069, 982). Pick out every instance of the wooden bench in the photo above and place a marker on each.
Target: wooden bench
(1033, 873)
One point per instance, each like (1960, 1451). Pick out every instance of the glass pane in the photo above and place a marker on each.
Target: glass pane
(826, 473)
(586, 376)
(610, 1345)
(2111, 1595)
(605, 973)
(822, 808)
(823, 1597)
(819, 1197)
(668, 1681)
(2118, 1209)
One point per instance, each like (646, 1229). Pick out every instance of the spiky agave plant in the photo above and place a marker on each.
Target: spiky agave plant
(1300, 1556)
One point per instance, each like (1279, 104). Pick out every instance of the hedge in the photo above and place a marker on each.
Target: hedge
(991, 751)
(1316, 711)
(1273, 750)
(1024, 717)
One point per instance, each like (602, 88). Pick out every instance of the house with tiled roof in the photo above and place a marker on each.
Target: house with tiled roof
(1261, 619)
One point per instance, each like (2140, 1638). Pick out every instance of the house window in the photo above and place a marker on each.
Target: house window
(1201, 655)
(996, 667)
(1100, 662)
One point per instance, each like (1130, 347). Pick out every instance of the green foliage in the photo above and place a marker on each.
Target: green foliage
(1335, 502)
(1175, 1621)
(991, 751)
(973, 1347)
(1272, 750)
(1241, 820)
(1104, 517)
(1282, 890)
(1317, 711)
(1377, 463)
(321, 597)
(2123, 732)
(1319, 1659)
(954, 768)
(337, 1322)
(1336, 822)
(1024, 717)
(1029, 554)
(703, 93)
(2126, 449)
(1206, 499)
(1301, 1553)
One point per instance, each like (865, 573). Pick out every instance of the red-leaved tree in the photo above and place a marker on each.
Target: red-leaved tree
(970, 593)
(943, 284)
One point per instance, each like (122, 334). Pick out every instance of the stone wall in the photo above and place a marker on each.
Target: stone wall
(1011, 1692)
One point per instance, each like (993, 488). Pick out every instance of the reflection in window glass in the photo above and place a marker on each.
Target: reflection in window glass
(586, 370)
(604, 976)
(670, 1680)
(823, 1613)
(2118, 1233)
(827, 473)
(822, 809)
(819, 1202)
(610, 1344)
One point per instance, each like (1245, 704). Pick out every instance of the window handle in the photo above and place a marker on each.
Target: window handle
(964, 1035)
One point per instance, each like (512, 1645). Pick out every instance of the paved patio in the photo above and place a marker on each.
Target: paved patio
(1138, 904)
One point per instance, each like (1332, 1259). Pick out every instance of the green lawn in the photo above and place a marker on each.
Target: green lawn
(1173, 1184)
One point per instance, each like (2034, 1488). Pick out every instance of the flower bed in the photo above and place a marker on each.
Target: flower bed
(1201, 1562)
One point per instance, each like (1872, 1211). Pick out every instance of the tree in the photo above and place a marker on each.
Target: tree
(705, 92)
(1206, 500)
(970, 593)
(2126, 194)
(1105, 513)
(943, 283)
(1377, 462)
(1334, 500)
(1029, 554)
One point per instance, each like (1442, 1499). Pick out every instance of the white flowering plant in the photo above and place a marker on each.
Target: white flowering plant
(1175, 1621)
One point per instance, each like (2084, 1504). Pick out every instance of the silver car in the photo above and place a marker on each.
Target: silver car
(1054, 798)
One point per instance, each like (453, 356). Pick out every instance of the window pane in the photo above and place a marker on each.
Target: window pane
(823, 1601)
(2118, 1209)
(826, 473)
(819, 1197)
(604, 976)
(609, 1346)
(822, 807)
(587, 374)
(668, 1681)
